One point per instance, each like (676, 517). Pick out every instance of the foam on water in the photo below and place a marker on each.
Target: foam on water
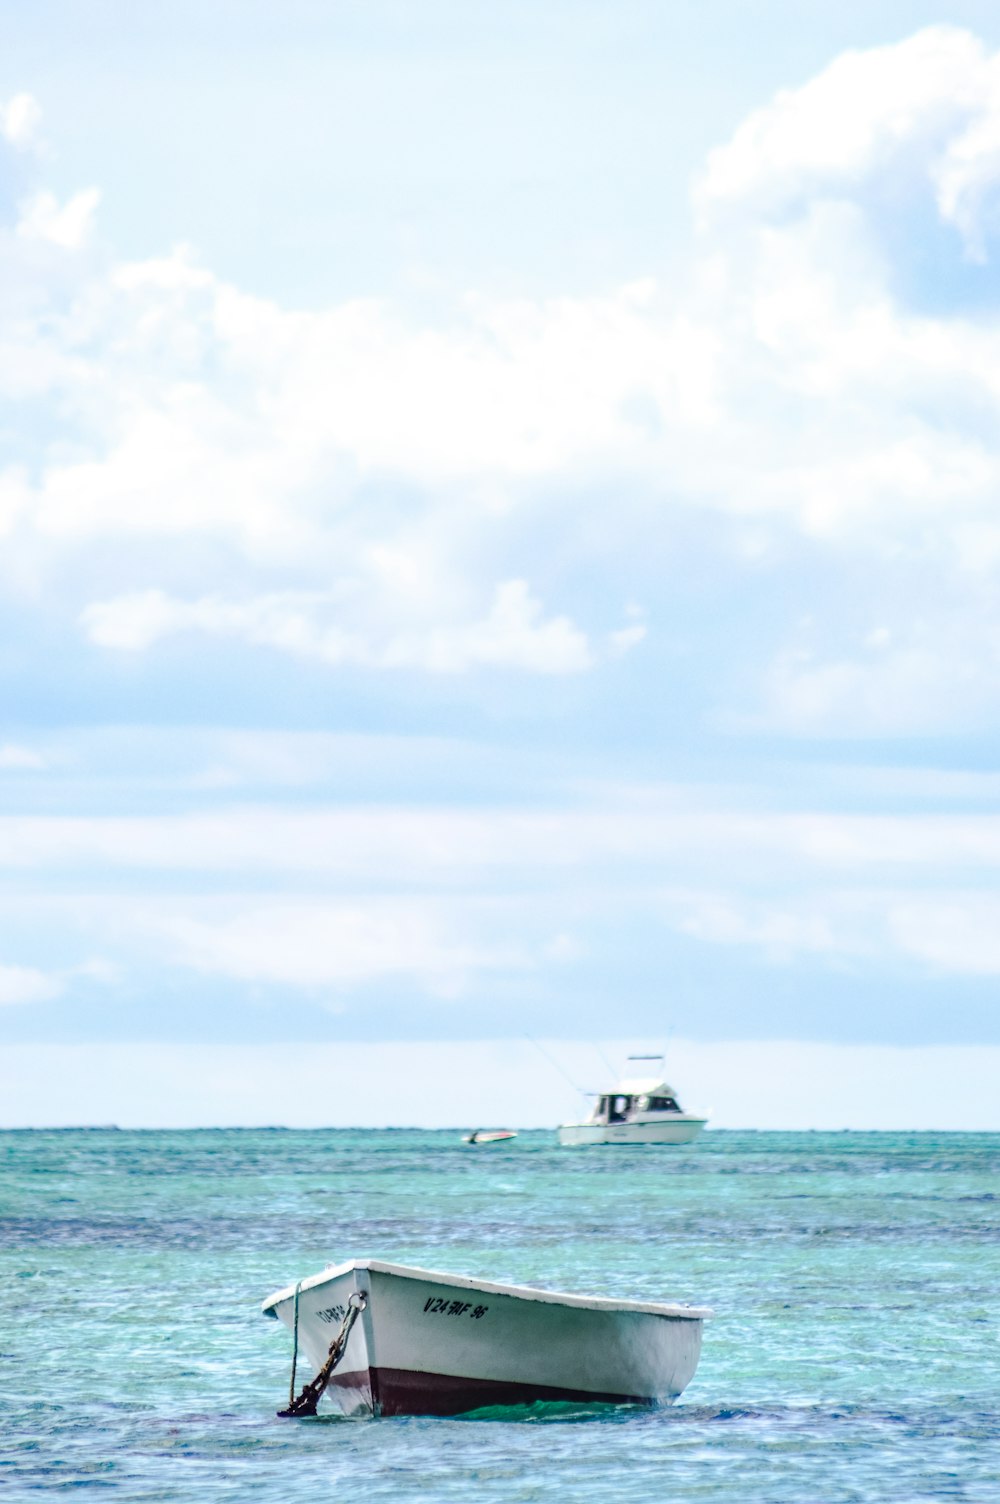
(854, 1355)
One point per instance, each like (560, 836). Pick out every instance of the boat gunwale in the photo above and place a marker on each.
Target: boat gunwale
(333, 1272)
(650, 1120)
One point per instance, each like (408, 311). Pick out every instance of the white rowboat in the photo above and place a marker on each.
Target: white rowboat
(426, 1343)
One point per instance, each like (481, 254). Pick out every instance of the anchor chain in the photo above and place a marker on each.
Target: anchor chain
(306, 1402)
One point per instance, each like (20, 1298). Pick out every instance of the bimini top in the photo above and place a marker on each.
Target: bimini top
(646, 1086)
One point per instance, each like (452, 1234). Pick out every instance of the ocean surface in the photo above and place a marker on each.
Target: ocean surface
(855, 1353)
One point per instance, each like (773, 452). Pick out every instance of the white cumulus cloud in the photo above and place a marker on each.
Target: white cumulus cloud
(860, 114)
(24, 984)
(513, 634)
(359, 486)
(339, 946)
(944, 931)
(67, 225)
(19, 119)
(15, 758)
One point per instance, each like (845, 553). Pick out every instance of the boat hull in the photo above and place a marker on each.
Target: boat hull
(681, 1129)
(435, 1344)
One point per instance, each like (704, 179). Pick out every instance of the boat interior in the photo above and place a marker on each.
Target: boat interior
(625, 1106)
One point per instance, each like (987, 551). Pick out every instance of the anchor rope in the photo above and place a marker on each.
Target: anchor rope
(295, 1345)
(306, 1402)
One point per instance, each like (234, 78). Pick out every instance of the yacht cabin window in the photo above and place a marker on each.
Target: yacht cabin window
(614, 1109)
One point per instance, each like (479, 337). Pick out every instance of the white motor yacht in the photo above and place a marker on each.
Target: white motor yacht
(639, 1110)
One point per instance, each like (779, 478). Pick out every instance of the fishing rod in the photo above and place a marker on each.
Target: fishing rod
(557, 1067)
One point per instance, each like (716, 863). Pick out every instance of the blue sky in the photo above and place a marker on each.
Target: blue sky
(499, 536)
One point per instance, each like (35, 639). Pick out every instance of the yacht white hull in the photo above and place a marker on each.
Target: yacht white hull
(439, 1344)
(679, 1129)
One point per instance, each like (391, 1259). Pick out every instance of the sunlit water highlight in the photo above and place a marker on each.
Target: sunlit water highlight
(854, 1355)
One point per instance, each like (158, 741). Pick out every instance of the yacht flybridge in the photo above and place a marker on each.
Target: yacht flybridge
(639, 1110)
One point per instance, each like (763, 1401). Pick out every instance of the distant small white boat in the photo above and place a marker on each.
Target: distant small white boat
(640, 1110)
(386, 1339)
(489, 1136)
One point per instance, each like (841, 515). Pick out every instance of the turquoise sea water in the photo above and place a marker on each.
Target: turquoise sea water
(855, 1354)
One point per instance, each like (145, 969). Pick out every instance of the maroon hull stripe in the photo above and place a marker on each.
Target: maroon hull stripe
(400, 1391)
